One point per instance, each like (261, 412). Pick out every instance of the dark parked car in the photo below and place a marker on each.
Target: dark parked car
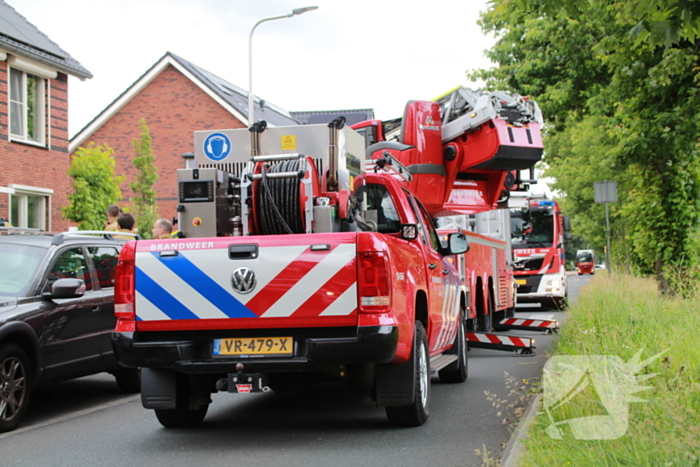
(56, 314)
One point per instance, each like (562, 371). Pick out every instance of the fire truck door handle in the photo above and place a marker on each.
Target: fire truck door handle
(432, 265)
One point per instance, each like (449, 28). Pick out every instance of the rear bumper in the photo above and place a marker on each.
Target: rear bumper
(372, 344)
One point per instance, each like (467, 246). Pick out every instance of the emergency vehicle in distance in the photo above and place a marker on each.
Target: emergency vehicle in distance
(539, 230)
(309, 254)
(585, 262)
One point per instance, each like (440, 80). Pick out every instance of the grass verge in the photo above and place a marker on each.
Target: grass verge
(619, 316)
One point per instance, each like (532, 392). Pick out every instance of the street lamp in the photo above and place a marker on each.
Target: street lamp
(296, 11)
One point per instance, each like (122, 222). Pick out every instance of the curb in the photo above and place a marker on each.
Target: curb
(515, 445)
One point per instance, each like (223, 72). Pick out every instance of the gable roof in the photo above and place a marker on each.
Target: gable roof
(229, 96)
(20, 37)
(352, 116)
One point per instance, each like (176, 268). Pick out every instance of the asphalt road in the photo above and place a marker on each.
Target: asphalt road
(88, 422)
(575, 282)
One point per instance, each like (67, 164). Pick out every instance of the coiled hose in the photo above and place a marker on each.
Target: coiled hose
(278, 200)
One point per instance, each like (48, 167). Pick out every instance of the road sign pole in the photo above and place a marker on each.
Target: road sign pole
(606, 192)
(607, 237)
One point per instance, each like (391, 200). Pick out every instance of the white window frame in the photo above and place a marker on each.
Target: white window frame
(43, 74)
(22, 193)
(189, 160)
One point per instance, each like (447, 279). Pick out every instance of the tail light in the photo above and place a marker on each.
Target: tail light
(124, 284)
(375, 289)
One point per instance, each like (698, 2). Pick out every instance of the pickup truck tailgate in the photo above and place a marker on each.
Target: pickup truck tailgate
(246, 282)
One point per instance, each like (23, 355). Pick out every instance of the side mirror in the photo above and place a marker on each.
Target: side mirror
(66, 288)
(409, 231)
(567, 224)
(568, 235)
(457, 243)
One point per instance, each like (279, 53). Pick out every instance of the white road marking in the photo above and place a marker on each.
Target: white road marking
(70, 416)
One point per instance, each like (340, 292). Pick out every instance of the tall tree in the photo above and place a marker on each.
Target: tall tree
(95, 186)
(144, 199)
(618, 108)
(658, 22)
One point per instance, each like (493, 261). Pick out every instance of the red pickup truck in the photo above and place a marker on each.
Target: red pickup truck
(380, 309)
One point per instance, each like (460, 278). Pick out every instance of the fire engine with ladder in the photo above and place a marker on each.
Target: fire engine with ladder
(308, 253)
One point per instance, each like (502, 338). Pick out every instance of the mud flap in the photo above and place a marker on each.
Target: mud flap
(158, 388)
(395, 385)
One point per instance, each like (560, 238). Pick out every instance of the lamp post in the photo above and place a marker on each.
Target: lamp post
(251, 99)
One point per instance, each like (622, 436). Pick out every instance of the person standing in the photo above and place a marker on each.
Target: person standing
(125, 224)
(113, 213)
(162, 229)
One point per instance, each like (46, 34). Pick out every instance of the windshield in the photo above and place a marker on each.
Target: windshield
(533, 226)
(585, 258)
(19, 263)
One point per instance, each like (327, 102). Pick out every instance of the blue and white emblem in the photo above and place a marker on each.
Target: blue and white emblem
(217, 146)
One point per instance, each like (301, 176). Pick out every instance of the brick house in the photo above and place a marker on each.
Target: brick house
(34, 153)
(176, 98)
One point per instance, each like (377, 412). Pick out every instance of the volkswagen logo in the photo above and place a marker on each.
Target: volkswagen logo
(243, 280)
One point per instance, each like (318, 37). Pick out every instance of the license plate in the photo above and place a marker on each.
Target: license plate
(254, 346)
(521, 281)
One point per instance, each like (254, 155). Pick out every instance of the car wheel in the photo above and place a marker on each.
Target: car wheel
(128, 380)
(15, 386)
(181, 417)
(417, 413)
(457, 372)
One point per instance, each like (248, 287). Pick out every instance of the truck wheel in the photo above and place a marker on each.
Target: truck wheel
(15, 386)
(497, 318)
(560, 304)
(457, 372)
(181, 417)
(485, 321)
(128, 380)
(417, 413)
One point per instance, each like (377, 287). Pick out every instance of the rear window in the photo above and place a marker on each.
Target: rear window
(381, 208)
(19, 264)
(105, 260)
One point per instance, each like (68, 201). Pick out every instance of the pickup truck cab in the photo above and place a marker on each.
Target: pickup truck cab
(378, 306)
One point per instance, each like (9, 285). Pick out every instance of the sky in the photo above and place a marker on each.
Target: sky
(352, 54)
(345, 55)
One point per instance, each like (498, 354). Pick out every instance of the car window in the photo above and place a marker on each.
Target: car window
(432, 234)
(70, 264)
(421, 230)
(381, 208)
(105, 260)
(19, 264)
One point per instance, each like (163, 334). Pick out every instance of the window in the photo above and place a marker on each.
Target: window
(189, 160)
(434, 240)
(19, 265)
(26, 107)
(381, 209)
(105, 260)
(30, 207)
(70, 264)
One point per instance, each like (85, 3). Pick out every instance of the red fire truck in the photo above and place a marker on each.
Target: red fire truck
(539, 230)
(309, 254)
(486, 268)
(585, 262)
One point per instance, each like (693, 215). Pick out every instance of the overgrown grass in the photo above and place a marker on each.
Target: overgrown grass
(619, 316)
